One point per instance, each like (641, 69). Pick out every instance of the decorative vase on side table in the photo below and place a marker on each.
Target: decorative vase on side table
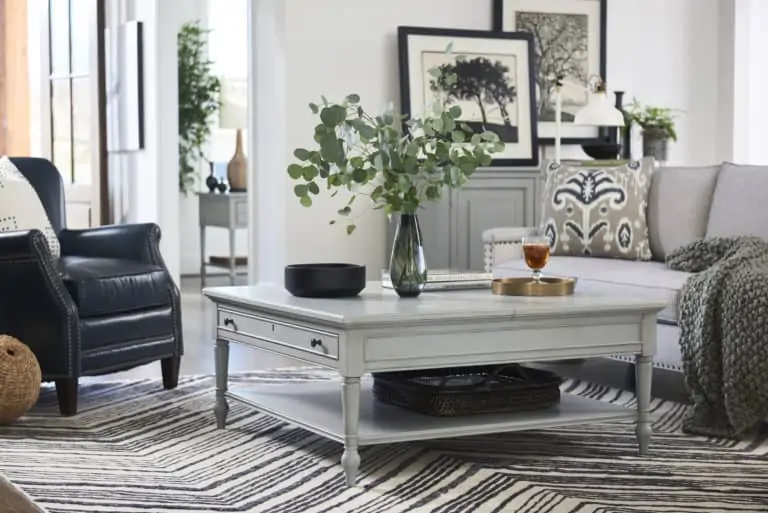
(234, 115)
(407, 263)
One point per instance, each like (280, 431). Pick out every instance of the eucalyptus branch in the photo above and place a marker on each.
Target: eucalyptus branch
(401, 167)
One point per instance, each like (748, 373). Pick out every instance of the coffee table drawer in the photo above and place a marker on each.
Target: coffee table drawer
(281, 333)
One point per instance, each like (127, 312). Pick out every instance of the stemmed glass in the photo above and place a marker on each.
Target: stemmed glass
(536, 253)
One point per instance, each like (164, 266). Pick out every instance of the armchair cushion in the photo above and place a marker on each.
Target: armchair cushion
(107, 286)
(20, 206)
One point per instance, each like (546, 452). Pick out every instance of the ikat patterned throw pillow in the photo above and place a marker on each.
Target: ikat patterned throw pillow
(598, 210)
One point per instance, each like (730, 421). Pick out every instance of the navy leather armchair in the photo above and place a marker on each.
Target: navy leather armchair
(106, 305)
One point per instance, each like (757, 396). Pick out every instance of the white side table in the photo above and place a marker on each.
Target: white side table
(228, 211)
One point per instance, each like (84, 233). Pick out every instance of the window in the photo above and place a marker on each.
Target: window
(71, 79)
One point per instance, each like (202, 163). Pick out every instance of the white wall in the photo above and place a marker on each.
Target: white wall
(658, 51)
(686, 54)
(227, 47)
(144, 184)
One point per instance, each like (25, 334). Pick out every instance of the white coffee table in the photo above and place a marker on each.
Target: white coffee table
(379, 332)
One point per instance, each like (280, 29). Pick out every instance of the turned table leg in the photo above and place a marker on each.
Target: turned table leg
(644, 372)
(350, 402)
(222, 377)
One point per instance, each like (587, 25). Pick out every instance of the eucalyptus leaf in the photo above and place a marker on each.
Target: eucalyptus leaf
(300, 190)
(350, 229)
(295, 171)
(396, 165)
(302, 154)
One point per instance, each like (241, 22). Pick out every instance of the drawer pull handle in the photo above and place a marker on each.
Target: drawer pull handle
(317, 343)
(230, 322)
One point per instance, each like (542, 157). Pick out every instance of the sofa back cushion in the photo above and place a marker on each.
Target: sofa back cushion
(678, 206)
(739, 203)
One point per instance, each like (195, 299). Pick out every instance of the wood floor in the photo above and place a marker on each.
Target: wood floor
(197, 323)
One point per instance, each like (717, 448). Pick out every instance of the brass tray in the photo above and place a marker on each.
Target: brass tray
(528, 287)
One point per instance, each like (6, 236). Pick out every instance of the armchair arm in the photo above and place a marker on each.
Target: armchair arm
(503, 244)
(35, 306)
(139, 242)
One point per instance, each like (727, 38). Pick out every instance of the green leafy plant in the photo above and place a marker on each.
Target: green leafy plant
(198, 100)
(398, 163)
(658, 120)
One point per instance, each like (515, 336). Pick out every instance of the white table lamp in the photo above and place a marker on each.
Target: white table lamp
(599, 110)
(233, 115)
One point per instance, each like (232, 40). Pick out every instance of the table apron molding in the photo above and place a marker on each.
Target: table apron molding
(543, 355)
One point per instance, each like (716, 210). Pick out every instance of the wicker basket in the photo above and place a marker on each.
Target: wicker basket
(469, 390)
(19, 379)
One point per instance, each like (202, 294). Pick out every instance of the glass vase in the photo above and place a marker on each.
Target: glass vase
(407, 265)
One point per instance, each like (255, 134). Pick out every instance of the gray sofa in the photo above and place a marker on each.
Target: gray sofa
(684, 204)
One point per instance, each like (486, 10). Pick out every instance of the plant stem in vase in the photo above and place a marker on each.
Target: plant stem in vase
(407, 264)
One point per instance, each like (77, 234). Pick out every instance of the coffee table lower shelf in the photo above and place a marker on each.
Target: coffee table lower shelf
(316, 407)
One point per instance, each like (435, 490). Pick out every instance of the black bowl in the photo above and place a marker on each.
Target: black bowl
(325, 280)
(602, 151)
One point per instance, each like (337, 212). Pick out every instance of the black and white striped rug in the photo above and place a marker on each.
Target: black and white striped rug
(138, 448)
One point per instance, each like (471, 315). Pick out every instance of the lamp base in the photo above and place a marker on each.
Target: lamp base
(237, 169)
(602, 150)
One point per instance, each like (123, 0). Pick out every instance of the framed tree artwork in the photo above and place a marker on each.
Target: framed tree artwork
(569, 40)
(491, 79)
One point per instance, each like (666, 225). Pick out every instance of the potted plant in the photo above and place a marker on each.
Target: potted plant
(198, 100)
(658, 125)
(397, 163)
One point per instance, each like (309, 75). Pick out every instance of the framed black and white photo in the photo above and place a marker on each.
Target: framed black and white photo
(494, 86)
(569, 39)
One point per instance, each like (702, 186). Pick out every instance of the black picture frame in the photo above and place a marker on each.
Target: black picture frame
(531, 148)
(497, 16)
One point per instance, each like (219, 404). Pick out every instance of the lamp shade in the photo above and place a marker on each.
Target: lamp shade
(233, 113)
(599, 111)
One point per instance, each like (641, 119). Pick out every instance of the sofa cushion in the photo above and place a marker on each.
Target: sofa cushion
(678, 206)
(21, 208)
(739, 202)
(650, 280)
(106, 286)
(597, 210)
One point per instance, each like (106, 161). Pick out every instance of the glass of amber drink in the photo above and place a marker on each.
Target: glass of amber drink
(536, 254)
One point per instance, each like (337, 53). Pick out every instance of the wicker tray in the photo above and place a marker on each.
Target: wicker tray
(469, 390)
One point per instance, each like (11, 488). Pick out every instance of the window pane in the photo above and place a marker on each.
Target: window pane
(59, 36)
(82, 11)
(61, 128)
(81, 129)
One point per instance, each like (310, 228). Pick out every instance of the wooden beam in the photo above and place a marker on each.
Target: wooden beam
(14, 84)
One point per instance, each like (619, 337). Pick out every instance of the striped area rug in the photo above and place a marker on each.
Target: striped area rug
(137, 448)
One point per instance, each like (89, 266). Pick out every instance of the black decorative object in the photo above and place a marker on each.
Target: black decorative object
(599, 150)
(222, 186)
(325, 280)
(494, 84)
(572, 42)
(469, 390)
(407, 263)
(211, 182)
